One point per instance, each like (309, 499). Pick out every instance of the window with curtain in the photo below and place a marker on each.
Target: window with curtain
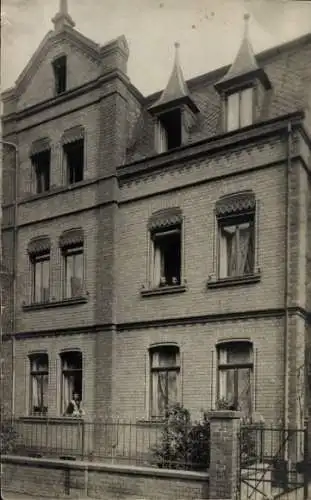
(72, 377)
(40, 277)
(236, 245)
(239, 107)
(166, 263)
(73, 271)
(39, 381)
(165, 370)
(235, 375)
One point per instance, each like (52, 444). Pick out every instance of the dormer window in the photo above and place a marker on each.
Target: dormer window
(168, 131)
(60, 74)
(239, 109)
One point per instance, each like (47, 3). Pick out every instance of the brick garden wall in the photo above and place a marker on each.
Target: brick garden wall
(54, 477)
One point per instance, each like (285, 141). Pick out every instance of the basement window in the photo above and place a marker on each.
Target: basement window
(41, 163)
(74, 159)
(60, 74)
(168, 132)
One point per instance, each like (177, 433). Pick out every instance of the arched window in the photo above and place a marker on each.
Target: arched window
(235, 374)
(39, 381)
(164, 378)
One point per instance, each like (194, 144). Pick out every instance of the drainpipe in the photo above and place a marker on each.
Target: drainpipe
(286, 282)
(15, 229)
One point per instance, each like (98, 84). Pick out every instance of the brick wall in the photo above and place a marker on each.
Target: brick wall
(53, 346)
(54, 477)
(197, 345)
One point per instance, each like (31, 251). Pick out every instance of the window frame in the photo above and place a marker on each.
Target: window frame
(69, 169)
(69, 251)
(35, 260)
(162, 132)
(176, 368)
(33, 374)
(228, 221)
(156, 235)
(56, 68)
(64, 372)
(239, 92)
(42, 171)
(223, 367)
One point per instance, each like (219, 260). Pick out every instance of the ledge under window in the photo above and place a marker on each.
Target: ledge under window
(163, 290)
(151, 422)
(246, 279)
(56, 303)
(51, 420)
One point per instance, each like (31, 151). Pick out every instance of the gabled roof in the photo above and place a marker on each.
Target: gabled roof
(176, 89)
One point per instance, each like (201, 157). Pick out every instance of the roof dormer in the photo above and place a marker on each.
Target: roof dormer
(243, 87)
(174, 111)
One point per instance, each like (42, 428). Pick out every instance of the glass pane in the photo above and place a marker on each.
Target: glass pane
(246, 107)
(35, 403)
(45, 279)
(167, 358)
(37, 281)
(78, 265)
(231, 244)
(172, 387)
(233, 112)
(45, 383)
(245, 390)
(239, 353)
(162, 393)
(68, 274)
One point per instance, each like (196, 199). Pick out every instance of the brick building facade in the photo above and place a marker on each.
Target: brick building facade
(161, 245)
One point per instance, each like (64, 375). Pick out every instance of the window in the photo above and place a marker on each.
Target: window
(39, 380)
(41, 277)
(169, 135)
(165, 368)
(235, 375)
(60, 74)
(236, 247)
(167, 257)
(236, 234)
(73, 260)
(71, 363)
(74, 160)
(41, 164)
(240, 109)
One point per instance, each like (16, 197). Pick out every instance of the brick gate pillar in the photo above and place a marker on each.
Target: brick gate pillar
(225, 454)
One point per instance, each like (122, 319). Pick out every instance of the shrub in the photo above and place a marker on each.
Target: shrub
(8, 437)
(183, 444)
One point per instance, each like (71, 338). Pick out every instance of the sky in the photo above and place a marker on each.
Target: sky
(209, 32)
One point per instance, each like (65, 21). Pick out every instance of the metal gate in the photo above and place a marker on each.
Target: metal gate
(273, 464)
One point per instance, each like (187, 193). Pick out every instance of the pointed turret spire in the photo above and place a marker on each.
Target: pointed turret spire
(245, 60)
(62, 18)
(176, 88)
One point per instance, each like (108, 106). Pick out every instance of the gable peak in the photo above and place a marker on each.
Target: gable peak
(62, 18)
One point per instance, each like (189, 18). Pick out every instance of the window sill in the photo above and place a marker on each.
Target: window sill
(53, 420)
(151, 422)
(150, 292)
(235, 280)
(55, 303)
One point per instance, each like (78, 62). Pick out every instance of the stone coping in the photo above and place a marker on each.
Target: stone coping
(105, 467)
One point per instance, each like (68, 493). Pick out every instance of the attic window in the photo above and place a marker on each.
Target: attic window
(168, 131)
(60, 74)
(239, 109)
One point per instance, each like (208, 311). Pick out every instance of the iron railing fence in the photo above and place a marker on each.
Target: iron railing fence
(146, 443)
(273, 462)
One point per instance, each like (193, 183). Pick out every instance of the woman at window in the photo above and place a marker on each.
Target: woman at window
(74, 408)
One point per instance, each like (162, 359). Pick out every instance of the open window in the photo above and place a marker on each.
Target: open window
(235, 375)
(164, 378)
(74, 161)
(41, 163)
(72, 377)
(60, 74)
(169, 130)
(39, 380)
(236, 235)
(165, 229)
